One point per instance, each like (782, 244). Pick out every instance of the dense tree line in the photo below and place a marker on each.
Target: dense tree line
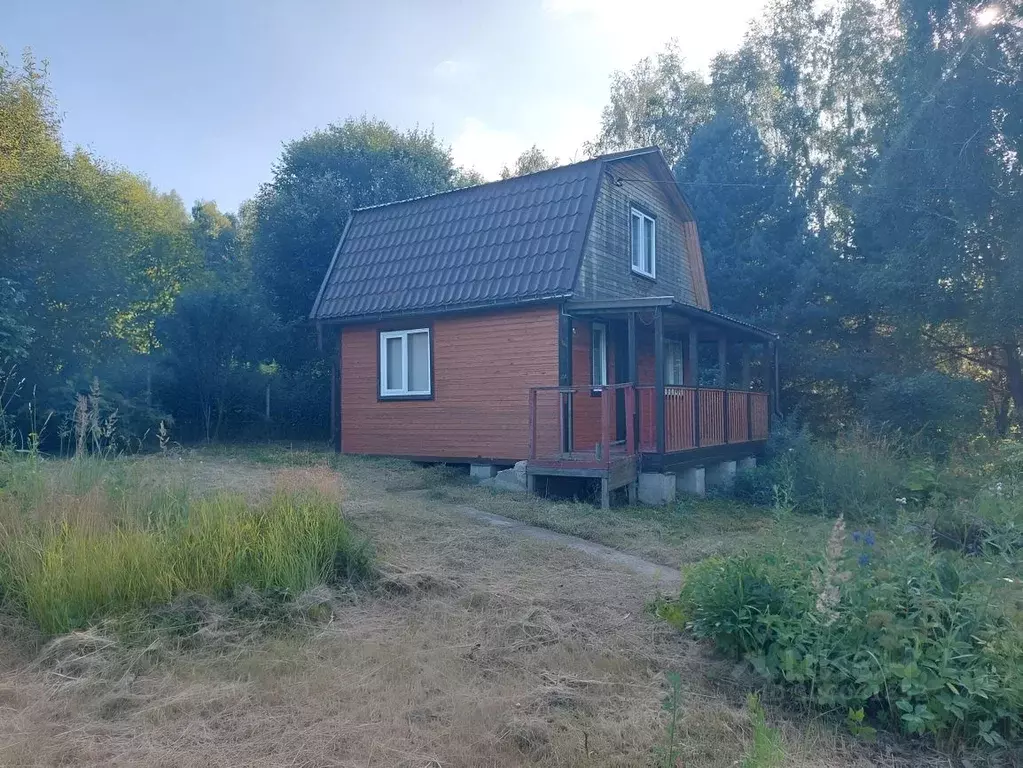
(855, 170)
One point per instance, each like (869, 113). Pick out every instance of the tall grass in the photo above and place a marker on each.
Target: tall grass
(859, 474)
(86, 539)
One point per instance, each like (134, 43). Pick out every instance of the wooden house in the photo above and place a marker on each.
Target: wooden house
(561, 318)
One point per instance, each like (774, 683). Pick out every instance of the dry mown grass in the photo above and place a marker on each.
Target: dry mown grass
(686, 532)
(475, 649)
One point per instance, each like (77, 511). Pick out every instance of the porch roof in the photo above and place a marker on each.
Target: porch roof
(670, 307)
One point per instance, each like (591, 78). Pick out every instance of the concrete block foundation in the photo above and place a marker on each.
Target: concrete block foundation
(656, 488)
(482, 471)
(750, 462)
(692, 481)
(514, 479)
(721, 475)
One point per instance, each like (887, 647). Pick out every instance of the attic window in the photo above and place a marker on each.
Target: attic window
(405, 364)
(644, 240)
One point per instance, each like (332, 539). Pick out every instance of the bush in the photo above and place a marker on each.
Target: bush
(941, 409)
(859, 474)
(919, 641)
(116, 546)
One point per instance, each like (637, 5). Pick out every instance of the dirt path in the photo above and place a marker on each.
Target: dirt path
(662, 575)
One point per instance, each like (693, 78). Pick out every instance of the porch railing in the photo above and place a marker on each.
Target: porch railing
(582, 426)
(586, 426)
(702, 417)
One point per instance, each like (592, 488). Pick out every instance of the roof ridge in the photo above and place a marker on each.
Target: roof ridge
(598, 159)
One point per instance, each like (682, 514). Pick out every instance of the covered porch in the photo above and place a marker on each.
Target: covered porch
(650, 387)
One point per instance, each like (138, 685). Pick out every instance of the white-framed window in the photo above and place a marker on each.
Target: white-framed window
(598, 355)
(673, 362)
(405, 363)
(644, 243)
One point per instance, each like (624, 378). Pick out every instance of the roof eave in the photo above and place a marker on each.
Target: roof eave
(670, 304)
(437, 311)
(330, 269)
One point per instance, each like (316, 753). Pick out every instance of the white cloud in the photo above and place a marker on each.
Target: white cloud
(484, 148)
(448, 69)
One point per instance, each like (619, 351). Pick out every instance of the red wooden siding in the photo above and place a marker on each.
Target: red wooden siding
(646, 408)
(646, 367)
(483, 367)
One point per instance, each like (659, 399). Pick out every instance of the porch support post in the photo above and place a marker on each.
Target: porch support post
(692, 376)
(565, 404)
(633, 364)
(745, 366)
(723, 362)
(659, 377)
(565, 350)
(692, 371)
(723, 379)
(634, 379)
(775, 385)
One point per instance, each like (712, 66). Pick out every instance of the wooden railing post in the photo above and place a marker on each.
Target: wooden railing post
(633, 355)
(605, 424)
(532, 423)
(659, 377)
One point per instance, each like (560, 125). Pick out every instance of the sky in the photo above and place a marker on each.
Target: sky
(200, 96)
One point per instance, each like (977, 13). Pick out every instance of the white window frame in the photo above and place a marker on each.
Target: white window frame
(673, 352)
(404, 390)
(598, 354)
(637, 258)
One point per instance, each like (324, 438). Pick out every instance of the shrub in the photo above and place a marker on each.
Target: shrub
(859, 474)
(922, 642)
(112, 549)
(941, 409)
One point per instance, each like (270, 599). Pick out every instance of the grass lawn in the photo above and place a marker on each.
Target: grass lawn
(473, 647)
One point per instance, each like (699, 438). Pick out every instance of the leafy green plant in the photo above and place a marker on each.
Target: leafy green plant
(925, 642)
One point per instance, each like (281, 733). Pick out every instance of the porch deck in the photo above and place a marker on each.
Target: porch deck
(609, 454)
(565, 441)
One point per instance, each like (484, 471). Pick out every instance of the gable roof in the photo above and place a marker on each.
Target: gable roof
(503, 243)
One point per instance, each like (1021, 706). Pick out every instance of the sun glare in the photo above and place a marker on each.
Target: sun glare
(988, 15)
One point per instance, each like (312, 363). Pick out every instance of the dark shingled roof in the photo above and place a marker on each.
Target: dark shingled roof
(503, 243)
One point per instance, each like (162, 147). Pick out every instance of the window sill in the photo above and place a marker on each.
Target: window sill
(390, 398)
(644, 275)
